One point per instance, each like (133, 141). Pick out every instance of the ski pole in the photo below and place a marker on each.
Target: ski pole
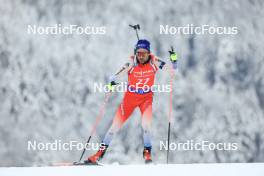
(168, 150)
(170, 108)
(136, 28)
(97, 120)
(102, 110)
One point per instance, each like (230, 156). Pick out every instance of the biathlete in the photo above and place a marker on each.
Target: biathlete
(141, 70)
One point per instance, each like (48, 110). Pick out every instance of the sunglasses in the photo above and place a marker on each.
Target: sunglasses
(142, 53)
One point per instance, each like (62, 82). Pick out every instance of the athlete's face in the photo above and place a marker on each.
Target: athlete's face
(142, 55)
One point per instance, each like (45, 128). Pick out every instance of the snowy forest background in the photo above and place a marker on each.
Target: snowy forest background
(46, 81)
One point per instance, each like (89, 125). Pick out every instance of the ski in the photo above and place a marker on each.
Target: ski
(78, 164)
(147, 162)
(70, 164)
(87, 164)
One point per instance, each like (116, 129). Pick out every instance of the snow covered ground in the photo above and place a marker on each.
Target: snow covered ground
(256, 169)
(47, 82)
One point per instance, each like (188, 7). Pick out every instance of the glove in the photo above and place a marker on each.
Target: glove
(173, 56)
(173, 59)
(111, 83)
(110, 86)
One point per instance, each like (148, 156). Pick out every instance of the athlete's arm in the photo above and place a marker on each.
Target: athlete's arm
(127, 66)
(162, 65)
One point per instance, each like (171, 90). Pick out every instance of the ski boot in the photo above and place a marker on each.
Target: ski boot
(93, 160)
(147, 155)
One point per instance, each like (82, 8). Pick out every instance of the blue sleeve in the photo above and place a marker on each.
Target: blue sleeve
(174, 65)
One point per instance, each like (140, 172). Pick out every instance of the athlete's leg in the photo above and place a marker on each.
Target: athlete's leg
(146, 113)
(122, 114)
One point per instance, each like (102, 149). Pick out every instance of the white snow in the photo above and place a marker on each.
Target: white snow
(47, 81)
(239, 169)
